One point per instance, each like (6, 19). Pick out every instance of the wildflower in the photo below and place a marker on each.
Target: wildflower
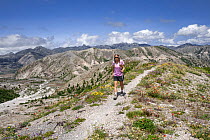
(97, 93)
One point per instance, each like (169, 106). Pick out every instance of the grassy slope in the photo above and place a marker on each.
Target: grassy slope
(167, 96)
(179, 86)
(73, 98)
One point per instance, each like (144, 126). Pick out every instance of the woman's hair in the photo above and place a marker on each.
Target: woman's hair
(118, 56)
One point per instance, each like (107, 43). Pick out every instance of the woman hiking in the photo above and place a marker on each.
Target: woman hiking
(118, 68)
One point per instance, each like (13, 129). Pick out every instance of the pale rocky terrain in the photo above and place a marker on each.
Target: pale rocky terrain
(76, 98)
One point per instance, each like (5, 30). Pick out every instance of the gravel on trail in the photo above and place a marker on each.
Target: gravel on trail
(106, 115)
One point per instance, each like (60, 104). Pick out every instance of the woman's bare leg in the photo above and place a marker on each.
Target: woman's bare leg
(121, 85)
(115, 86)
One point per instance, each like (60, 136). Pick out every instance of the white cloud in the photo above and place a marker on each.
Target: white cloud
(87, 40)
(167, 41)
(16, 42)
(195, 34)
(66, 43)
(199, 34)
(142, 37)
(208, 33)
(84, 39)
(194, 30)
(148, 35)
(118, 37)
(195, 41)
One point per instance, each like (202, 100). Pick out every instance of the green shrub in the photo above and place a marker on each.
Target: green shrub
(70, 125)
(6, 95)
(133, 114)
(24, 124)
(47, 134)
(146, 124)
(99, 134)
(205, 117)
(95, 105)
(138, 106)
(126, 108)
(202, 134)
(93, 98)
(80, 120)
(152, 137)
(77, 107)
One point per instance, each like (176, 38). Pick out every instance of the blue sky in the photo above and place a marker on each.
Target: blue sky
(62, 23)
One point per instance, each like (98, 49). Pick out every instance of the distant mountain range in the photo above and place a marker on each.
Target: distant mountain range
(70, 64)
(10, 62)
(13, 61)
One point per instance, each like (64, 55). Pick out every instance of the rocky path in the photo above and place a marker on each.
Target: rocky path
(106, 115)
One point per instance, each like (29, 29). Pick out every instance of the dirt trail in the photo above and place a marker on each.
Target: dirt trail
(106, 115)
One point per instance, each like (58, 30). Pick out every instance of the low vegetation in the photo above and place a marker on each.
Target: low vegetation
(6, 95)
(170, 95)
(98, 134)
(167, 97)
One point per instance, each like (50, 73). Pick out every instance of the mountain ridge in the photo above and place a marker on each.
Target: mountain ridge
(13, 61)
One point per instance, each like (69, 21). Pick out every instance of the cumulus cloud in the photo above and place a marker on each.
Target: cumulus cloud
(167, 41)
(84, 39)
(199, 34)
(142, 37)
(118, 37)
(87, 40)
(194, 30)
(195, 34)
(66, 43)
(16, 42)
(147, 35)
(195, 41)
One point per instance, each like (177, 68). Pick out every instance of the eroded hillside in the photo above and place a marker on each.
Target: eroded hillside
(170, 102)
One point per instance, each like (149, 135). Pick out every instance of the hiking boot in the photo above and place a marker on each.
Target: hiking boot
(115, 97)
(122, 93)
